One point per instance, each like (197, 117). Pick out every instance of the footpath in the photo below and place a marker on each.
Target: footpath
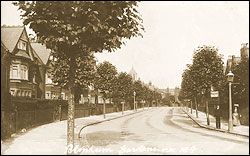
(202, 122)
(52, 138)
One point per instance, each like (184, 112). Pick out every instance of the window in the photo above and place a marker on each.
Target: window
(21, 45)
(24, 72)
(14, 71)
(47, 95)
(48, 79)
(12, 92)
(22, 93)
(18, 93)
(26, 93)
(29, 93)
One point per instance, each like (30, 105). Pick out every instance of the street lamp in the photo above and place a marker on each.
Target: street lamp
(134, 100)
(123, 102)
(230, 78)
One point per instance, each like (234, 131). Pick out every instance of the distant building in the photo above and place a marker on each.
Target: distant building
(133, 74)
(232, 60)
(174, 92)
(244, 51)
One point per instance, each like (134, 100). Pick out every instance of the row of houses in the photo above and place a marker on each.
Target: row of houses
(25, 68)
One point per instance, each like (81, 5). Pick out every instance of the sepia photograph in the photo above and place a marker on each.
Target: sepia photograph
(124, 77)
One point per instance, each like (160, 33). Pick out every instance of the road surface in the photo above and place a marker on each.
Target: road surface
(161, 130)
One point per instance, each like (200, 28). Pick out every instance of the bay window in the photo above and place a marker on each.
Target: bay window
(18, 71)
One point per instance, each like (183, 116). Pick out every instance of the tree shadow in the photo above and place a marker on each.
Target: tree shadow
(101, 138)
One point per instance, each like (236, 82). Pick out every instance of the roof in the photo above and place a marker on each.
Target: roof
(10, 35)
(132, 71)
(41, 51)
(23, 54)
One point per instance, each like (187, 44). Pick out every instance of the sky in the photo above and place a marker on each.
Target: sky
(172, 31)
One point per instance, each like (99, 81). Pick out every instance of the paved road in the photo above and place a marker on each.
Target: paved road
(162, 130)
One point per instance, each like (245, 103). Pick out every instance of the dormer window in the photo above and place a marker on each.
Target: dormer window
(22, 45)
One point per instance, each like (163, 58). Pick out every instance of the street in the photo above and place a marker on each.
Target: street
(161, 130)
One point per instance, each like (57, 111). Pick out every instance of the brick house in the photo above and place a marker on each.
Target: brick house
(24, 79)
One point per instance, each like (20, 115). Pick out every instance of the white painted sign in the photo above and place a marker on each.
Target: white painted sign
(214, 93)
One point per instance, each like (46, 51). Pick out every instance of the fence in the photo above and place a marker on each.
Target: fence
(34, 112)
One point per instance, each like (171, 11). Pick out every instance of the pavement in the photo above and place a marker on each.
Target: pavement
(51, 138)
(202, 122)
(158, 130)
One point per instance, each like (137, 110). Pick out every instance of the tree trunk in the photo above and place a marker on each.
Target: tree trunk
(191, 106)
(71, 105)
(96, 96)
(196, 106)
(208, 121)
(104, 108)
(70, 121)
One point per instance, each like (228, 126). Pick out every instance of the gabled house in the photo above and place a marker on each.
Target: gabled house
(50, 89)
(233, 61)
(23, 63)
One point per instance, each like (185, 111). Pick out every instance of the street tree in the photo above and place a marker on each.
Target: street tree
(78, 28)
(123, 88)
(85, 74)
(105, 78)
(149, 96)
(208, 67)
(190, 84)
(138, 88)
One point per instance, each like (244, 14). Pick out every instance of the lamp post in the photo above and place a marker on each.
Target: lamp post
(230, 78)
(134, 100)
(123, 102)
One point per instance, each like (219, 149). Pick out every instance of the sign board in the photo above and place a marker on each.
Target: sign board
(214, 93)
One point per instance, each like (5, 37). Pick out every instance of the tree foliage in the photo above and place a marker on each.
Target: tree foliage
(138, 88)
(208, 67)
(77, 29)
(241, 90)
(84, 26)
(205, 71)
(105, 78)
(123, 87)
